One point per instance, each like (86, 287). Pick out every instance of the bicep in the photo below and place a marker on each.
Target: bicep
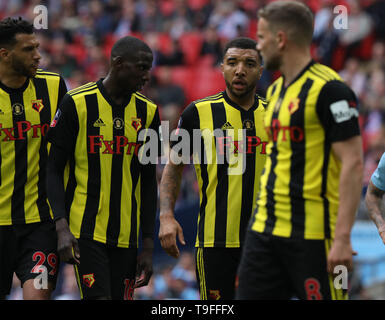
(349, 150)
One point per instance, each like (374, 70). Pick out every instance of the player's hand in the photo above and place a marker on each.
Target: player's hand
(67, 245)
(341, 253)
(144, 268)
(168, 231)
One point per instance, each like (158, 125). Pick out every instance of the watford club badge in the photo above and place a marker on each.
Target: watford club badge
(89, 279)
(136, 123)
(215, 295)
(293, 105)
(37, 105)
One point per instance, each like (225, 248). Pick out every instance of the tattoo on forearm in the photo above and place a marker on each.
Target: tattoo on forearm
(169, 187)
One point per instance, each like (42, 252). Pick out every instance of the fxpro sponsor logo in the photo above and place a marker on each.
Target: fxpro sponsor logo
(21, 129)
(219, 146)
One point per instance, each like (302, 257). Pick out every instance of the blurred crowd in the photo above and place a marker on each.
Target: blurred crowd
(187, 38)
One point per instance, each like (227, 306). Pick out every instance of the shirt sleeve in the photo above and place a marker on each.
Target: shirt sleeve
(188, 121)
(338, 112)
(378, 176)
(62, 90)
(64, 127)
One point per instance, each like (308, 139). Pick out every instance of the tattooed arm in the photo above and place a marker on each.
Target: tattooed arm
(373, 199)
(168, 192)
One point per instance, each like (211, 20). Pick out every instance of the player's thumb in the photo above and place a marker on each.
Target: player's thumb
(181, 236)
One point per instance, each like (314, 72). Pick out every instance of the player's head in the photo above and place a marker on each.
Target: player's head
(19, 47)
(241, 66)
(131, 62)
(280, 24)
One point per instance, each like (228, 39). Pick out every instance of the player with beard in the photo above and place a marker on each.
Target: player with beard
(29, 98)
(312, 182)
(227, 195)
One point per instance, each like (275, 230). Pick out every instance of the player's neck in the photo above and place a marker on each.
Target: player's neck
(293, 63)
(245, 102)
(113, 89)
(11, 79)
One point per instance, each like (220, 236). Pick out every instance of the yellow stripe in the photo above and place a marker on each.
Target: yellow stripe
(331, 284)
(201, 272)
(84, 86)
(78, 280)
(101, 222)
(235, 188)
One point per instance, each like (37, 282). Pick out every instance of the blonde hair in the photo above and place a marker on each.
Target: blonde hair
(293, 17)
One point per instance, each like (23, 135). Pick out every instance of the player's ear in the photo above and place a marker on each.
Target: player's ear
(117, 62)
(281, 39)
(260, 72)
(3, 53)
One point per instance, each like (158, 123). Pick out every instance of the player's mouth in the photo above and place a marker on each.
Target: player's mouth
(239, 84)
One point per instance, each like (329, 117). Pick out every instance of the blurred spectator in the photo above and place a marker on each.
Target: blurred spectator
(211, 46)
(229, 20)
(173, 57)
(165, 91)
(150, 18)
(359, 27)
(354, 76)
(129, 21)
(377, 60)
(181, 20)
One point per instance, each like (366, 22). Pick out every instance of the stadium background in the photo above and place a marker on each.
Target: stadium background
(187, 38)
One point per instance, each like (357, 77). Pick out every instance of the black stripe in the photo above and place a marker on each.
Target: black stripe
(93, 183)
(45, 119)
(21, 159)
(297, 163)
(323, 189)
(248, 177)
(219, 119)
(113, 228)
(71, 185)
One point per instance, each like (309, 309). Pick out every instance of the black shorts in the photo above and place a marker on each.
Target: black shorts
(105, 271)
(216, 272)
(29, 250)
(282, 268)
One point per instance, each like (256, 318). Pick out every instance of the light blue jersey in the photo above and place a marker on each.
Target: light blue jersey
(378, 176)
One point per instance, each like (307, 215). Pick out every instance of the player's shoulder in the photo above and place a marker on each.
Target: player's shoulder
(261, 101)
(85, 89)
(40, 73)
(323, 74)
(150, 104)
(208, 100)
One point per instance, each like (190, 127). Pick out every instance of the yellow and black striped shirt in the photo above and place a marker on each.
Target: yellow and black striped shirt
(106, 197)
(300, 185)
(228, 165)
(25, 115)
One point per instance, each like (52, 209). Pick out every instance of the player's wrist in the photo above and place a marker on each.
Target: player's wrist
(164, 215)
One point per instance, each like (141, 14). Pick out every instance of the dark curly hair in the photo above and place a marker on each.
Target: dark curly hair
(9, 27)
